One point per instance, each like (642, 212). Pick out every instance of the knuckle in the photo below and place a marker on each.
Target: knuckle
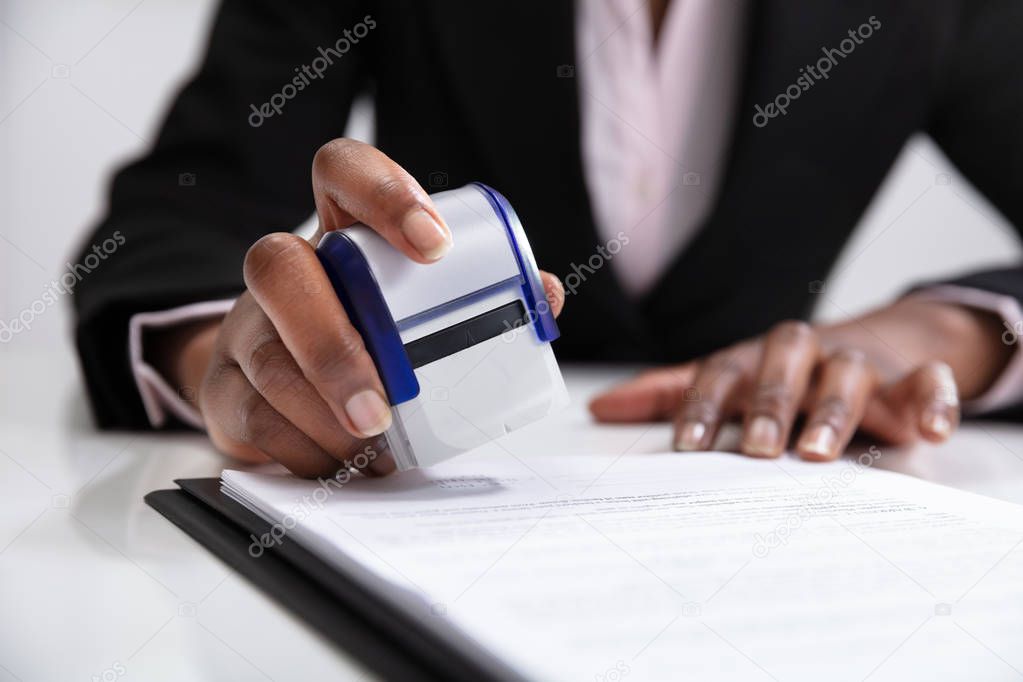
(792, 332)
(213, 385)
(773, 398)
(848, 356)
(328, 362)
(834, 411)
(268, 250)
(705, 411)
(395, 195)
(337, 153)
(724, 364)
(257, 424)
(270, 365)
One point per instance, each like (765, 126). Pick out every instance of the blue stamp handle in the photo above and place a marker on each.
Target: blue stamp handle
(538, 309)
(359, 293)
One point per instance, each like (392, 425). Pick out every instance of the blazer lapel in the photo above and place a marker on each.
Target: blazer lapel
(715, 280)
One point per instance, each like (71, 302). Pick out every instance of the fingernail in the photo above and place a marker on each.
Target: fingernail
(937, 423)
(820, 440)
(369, 413)
(426, 234)
(690, 436)
(762, 438)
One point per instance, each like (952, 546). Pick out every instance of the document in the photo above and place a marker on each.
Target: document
(678, 566)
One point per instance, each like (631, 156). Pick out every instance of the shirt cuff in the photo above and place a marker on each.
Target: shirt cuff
(158, 397)
(1007, 389)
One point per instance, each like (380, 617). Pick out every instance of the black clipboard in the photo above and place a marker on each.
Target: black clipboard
(371, 629)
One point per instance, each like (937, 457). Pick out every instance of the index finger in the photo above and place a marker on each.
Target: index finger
(354, 182)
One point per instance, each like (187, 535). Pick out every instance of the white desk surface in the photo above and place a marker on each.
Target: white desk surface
(96, 585)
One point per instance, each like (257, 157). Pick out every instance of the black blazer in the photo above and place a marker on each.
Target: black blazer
(477, 91)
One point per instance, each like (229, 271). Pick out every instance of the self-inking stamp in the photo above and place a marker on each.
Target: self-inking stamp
(462, 345)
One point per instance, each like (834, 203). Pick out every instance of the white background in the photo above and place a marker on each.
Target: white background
(90, 576)
(60, 138)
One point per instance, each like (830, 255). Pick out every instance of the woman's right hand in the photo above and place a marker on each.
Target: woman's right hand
(285, 375)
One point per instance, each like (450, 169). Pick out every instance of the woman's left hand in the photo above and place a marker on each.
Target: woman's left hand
(896, 373)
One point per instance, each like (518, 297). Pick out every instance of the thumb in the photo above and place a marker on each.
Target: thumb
(651, 396)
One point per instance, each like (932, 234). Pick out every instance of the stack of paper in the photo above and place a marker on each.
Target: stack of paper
(668, 566)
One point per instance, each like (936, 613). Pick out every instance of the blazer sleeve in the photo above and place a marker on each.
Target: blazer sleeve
(230, 164)
(978, 117)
